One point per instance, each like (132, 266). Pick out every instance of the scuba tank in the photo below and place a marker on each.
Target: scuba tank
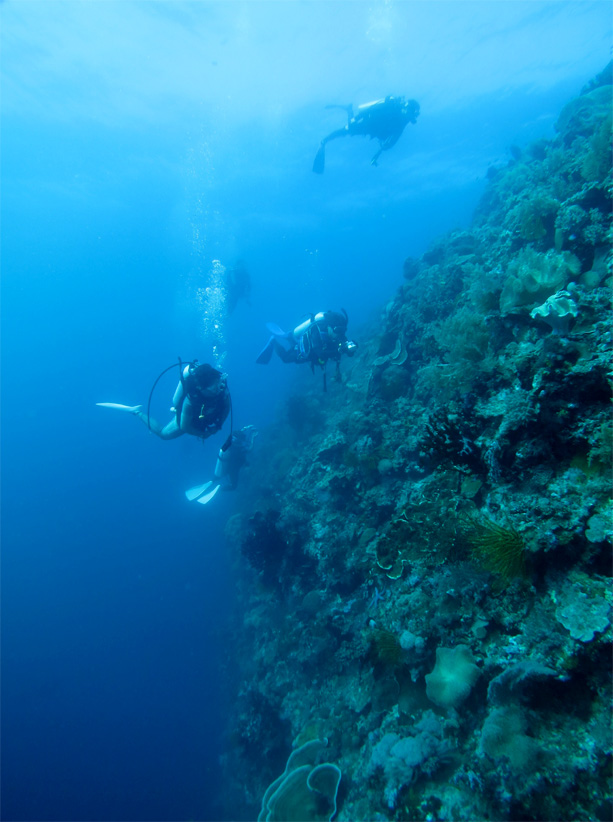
(223, 457)
(306, 325)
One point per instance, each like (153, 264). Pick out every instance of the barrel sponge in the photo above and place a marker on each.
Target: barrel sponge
(453, 676)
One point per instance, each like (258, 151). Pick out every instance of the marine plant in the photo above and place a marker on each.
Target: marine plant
(464, 337)
(386, 646)
(501, 550)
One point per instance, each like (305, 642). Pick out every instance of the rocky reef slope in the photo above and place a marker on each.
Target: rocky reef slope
(425, 557)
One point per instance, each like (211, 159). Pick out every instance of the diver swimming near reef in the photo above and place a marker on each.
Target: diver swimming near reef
(231, 458)
(237, 286)
(320, 338)
(200, 404)
(383, 120)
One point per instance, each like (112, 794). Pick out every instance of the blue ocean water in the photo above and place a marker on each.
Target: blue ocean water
(140, 143)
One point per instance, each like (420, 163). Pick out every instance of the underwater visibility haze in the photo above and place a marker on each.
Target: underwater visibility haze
(402, 611)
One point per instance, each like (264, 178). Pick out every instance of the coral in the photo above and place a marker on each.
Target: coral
(510, 684)
(453, 676)
(468, 440)
(597, 161)
(515, 408)
(323, 781)
(581, 116)
(402, 758)
(263, 546)
(503, 736)
(386, 646)
(464, 340)
(599, 527)
(305, 791)
(570, 223)
(449, 438)
(534, 216)
(533, 276)
(558, 311)
(601, 443)
(584, 617)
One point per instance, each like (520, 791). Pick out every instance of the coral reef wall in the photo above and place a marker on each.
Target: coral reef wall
(424, 556)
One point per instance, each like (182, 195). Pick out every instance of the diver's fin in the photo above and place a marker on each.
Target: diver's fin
(319, 162)
(266, 353)
(209, 495)
(197, 490)
(276, 331)
(132, 409)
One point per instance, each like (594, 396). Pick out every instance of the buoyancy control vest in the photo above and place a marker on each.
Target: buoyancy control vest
(207, 390)
(319, 337)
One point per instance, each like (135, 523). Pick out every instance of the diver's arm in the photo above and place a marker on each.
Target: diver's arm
(178, 395)
(385, 145)
(391, 140)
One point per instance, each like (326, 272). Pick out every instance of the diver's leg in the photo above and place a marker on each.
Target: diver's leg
(320, 157)
(284, 354)
(340, 132)
(165, 432)
(266, 353)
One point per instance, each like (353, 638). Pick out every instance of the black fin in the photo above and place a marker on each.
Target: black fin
(320, 160)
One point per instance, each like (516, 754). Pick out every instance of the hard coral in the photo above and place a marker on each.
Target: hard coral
(305, 791)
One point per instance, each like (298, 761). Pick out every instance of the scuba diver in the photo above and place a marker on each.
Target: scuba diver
(320, 338)
(237, 286)
(231, 458)
(200, 404)
(383, 120)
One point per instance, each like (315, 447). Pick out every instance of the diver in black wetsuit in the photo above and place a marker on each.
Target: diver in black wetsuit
(382, 120)
(232, 457)
(237, 285)
(320, 338)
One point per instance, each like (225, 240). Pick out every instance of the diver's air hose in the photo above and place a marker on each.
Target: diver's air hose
(165, 371)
